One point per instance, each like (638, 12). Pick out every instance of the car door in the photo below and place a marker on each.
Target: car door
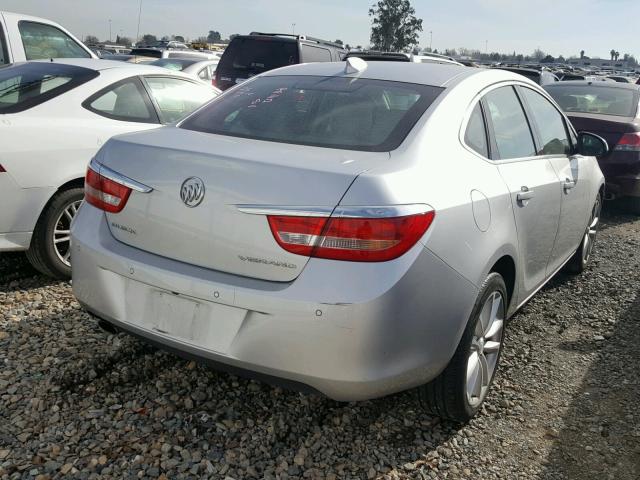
(554, 142)
(174, 98)
(532, 183)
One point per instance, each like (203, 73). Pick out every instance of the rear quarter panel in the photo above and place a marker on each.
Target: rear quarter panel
(433, 167)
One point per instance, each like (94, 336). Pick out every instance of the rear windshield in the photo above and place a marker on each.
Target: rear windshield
(257, 55)
(176, 64)
(146, 52)
(26, 85)
(333, 112)
(621, 102)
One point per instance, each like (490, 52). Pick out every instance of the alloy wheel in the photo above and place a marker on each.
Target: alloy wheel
(592, 230)
(62, 232)
(485, 348)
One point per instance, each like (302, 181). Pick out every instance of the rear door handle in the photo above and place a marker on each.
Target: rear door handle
(568, 185)
(525, 195)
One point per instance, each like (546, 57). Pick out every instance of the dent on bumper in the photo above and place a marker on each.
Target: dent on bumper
(349, 330)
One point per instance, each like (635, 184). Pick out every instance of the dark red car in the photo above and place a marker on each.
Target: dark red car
(610, 110)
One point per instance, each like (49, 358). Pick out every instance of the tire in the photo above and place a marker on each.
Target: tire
(53, 259)
(581, 257)
(450, 395)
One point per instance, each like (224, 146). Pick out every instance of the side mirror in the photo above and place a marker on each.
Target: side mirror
(591, 145)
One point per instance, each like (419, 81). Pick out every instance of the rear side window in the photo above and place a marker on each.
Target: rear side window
(126, 100)
(46, 41)
(335, 112)
(177, 98)
(600, 100)
(256, 55)
(510, 127)
(476, 134)
(312, 54)
(25, 85)
(549, 123)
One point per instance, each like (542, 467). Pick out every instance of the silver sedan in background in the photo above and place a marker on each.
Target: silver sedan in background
(357, 229)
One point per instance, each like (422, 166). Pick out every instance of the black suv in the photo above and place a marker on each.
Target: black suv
(249, 55)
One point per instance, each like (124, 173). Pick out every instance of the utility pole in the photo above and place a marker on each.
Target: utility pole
(430, 41)
(139, 15)
(293, 28)
(486, 46)
(109, 30)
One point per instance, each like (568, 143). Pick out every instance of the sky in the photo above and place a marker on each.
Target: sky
(555, 26)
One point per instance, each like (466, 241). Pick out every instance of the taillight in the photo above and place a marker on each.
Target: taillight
(104, 193)
(369, 239)
(630, 142)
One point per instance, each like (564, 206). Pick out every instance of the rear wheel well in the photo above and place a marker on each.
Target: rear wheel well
(506, 267)
(75, 183)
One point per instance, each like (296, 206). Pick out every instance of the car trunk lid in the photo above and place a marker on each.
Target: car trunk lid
(214, 233)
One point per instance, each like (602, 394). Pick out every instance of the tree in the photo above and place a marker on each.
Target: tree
(581, 54)
(613, 54)
(123, 40)
(395, 26)
(538, 54)
(617, 56)
(233, 35)
(347, 46)
(91, 40)
(214, 37)
(201, 40)
(548, 59)
(177, 38)
(148, 39)
(339, 42)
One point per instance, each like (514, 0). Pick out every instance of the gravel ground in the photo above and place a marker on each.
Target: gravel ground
(76, 402)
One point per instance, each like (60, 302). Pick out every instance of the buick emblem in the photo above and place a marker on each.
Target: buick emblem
(192, 192)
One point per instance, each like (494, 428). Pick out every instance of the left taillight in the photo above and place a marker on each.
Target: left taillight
(105, 193)
(359, 239)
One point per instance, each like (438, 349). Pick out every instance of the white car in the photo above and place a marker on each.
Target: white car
(203, 70)
(54, 116)
(23, 37)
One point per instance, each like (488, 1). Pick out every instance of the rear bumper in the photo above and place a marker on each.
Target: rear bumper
(349, 330)
(624, 185)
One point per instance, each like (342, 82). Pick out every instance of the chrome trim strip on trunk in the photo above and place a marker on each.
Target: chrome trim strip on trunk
(382, 211)
(119, 178)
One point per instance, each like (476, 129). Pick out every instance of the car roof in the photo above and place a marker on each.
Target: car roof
(434, 74)
(100, 65)
(596, 83)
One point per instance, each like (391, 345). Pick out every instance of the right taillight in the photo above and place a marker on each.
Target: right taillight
(356, 239)
(104, 193)
(630, 142)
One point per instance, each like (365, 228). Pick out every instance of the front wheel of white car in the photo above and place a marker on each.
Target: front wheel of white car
(458, 392)
(50, 250)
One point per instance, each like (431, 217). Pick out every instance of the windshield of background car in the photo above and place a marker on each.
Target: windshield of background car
(176, 64)
(334, 112)
(620, 102)
(256, 55)
(26, 85)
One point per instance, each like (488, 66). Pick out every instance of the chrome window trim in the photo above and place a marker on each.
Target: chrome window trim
(119, 178)
(341, 211)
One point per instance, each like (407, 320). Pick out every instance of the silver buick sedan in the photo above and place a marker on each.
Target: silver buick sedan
(348, 228)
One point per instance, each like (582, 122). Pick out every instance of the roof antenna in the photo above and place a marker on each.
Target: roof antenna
(355, 65)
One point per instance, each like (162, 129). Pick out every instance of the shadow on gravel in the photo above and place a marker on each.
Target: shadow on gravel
(14, 268)
(601, 434)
